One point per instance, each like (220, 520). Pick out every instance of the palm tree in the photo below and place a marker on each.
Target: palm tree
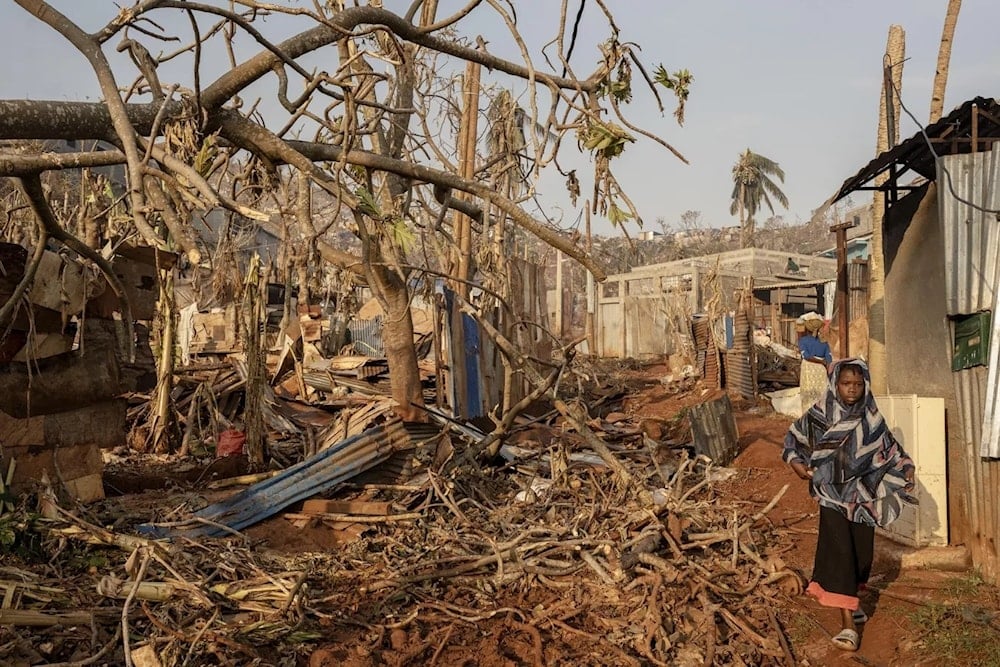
(753, 184)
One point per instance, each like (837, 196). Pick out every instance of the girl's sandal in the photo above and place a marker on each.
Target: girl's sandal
(860, 617)
(846, 640)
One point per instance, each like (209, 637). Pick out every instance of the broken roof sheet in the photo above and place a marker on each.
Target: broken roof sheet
(950, 135)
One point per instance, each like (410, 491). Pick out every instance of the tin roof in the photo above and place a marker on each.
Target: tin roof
(952, 134)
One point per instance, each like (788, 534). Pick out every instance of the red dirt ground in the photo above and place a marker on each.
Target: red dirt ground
(890, 638)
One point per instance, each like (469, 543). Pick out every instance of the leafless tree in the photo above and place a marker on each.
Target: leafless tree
(375, 133)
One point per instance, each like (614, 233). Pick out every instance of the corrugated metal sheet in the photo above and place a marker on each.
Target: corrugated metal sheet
(971, 237)
(972, 260)
(739, 367)
(857, 285)
(989, 444)
(317, 474)
(367, 336)
(972, 265)
(706, 351)
(983, 496)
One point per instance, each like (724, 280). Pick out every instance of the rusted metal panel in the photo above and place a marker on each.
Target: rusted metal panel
(713, 428)
(739, 361)
(706, 351)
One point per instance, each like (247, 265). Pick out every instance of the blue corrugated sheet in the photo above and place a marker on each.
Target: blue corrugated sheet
(330, 467)
(472, 371)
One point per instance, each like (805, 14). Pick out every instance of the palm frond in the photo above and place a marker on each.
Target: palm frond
(772, 188)
(753, 184)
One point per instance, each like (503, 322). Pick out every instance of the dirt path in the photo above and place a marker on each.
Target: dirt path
(902, 605)
(916, 615)
(892, 636)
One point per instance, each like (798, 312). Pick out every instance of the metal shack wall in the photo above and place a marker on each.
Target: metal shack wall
(972, 269)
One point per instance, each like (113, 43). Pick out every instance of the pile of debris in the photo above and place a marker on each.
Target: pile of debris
(579, 544)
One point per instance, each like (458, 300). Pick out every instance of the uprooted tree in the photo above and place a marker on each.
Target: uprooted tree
(387, 143)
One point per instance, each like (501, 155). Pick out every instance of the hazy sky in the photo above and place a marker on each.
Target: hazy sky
(795, 80)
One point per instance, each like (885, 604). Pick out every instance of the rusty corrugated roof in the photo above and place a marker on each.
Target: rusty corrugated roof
(952, 134)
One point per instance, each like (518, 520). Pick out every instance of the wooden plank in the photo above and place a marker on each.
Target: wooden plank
(78, 468)
(141, 288)
(215, 332)
(321, 506)
(44, 345)
(101, 424)
(86, 489)
(311, 328)
(59, 284)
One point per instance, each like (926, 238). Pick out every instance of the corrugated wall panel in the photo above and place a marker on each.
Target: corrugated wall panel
(983, 497)
(857, 285)
(367, 336)
(706, 351)
(971, 237)
(739, 368)
(972, 269)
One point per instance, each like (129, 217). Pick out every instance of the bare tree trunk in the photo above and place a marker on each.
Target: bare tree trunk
(745, 234)
(254, 313)
(895, 51)
(944, 59)
(397, 338)
(307, 235)
(163, 421)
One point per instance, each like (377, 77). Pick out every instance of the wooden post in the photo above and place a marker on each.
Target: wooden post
(468, 132)
(589, 322)
(559, 294)
(467, 135)
(695, 298)
(975, 128)
(622, 291)
(843, 316)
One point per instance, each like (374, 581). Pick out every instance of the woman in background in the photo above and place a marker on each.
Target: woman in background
(816, 359)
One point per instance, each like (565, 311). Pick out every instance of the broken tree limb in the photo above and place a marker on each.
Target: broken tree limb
(154, 591)
(92, 660)
(9, 308)
(492, 442)
(705, 539)
(601, 448)
(29, 617)
(354, 518)
(243, 480)
(88, 532)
